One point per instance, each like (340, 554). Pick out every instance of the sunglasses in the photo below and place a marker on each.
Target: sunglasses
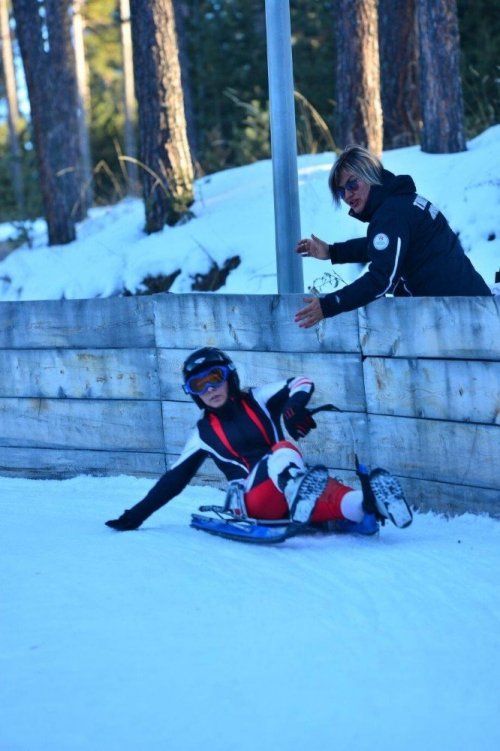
(351, 185)
(198, 384)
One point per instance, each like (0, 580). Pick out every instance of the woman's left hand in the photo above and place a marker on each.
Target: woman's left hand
(310, 315)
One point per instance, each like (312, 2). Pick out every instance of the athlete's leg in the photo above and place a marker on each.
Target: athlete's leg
(264, 496)
(338, 501)
(265, 499)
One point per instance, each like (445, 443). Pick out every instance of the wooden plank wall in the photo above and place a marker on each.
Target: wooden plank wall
(93, 386)
(432, 382)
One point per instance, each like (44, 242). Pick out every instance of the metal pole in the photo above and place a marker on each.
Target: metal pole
(283, 146)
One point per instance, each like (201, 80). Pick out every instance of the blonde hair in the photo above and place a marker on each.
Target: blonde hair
(361, 162)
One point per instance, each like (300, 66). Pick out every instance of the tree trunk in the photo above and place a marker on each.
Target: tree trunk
(441, 87)
(400, 91)
(359, 109)
(181, 12)
(12, 108)
(130, 108)
(164, 150)
(49, 66)
(83, 104)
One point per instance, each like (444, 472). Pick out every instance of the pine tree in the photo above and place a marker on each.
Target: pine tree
(399, 67)
(441, 87)
(12, 106)
(49, 65)
(359, 109)
(167, 174)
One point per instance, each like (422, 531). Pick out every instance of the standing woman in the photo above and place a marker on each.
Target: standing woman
(410, 248)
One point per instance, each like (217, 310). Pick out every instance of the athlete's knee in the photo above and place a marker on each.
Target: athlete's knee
(284, 455)
(285, 445)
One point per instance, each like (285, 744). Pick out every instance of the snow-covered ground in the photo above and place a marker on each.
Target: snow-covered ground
(167, 639)
(170, 639)
(234, 217)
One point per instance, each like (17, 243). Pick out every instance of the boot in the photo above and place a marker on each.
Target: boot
(369, 504)
(303, 491)
(389, 498)
(383, 496)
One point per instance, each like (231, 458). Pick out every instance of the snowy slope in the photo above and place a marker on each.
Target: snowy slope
(170, 639)
(234, 217)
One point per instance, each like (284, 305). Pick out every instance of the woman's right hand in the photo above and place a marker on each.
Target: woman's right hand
(313, 247)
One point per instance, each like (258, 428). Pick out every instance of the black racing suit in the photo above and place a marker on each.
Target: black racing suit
(410, 249)
(235, 436)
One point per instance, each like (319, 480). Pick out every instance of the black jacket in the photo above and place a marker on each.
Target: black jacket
(410, 248)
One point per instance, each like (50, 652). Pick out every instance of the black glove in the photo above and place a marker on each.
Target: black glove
(298, 421)
(126, 522)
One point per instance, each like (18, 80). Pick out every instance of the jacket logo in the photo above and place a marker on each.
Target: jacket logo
(380, 241)
(421, 202)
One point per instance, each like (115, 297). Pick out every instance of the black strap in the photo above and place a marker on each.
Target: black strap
(325, 408)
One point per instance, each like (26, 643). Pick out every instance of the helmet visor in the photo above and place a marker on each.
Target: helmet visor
(198, 384)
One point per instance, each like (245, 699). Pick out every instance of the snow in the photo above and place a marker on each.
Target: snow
(168, 638)
(234, 216)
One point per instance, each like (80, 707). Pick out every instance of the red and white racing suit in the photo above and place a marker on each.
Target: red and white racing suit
(245, 440)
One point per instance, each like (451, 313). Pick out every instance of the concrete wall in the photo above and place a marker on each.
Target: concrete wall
(93, 386)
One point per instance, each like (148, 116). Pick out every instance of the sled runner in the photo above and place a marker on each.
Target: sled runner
(227, 524)
(231, 520)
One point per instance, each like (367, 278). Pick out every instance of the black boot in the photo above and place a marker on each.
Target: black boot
(389, 498)
(369, 504)
(383, 496)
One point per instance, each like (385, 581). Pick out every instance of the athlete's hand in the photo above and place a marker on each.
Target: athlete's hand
(298, 421)
(313, 247)
(310, 315)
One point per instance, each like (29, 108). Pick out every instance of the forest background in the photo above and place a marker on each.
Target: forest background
(222, 54)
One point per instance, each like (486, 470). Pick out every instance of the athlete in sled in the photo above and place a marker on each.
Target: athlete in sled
(268, 479)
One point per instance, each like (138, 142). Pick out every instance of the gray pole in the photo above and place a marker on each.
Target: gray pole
(283, 146)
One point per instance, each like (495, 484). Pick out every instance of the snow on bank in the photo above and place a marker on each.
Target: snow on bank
(234, 216)
(167, 638)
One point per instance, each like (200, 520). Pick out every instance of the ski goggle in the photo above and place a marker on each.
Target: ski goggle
(198, 384)
(351, 185)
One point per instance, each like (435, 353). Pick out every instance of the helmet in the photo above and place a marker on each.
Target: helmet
(203, 358)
